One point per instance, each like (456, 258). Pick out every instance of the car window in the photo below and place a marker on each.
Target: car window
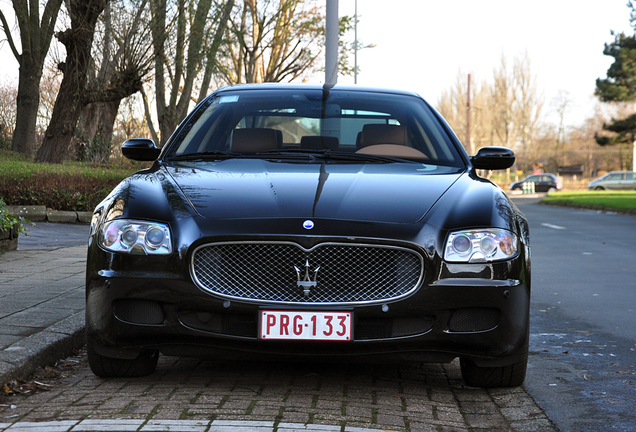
(291, 120)
(616, 176)
(629, 176)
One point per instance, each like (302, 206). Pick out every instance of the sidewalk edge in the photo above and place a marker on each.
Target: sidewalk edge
(43, 348)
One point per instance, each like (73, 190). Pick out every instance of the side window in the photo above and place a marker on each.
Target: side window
(629, 176)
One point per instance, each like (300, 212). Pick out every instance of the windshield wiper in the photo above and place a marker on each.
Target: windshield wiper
(358, 157)
(216, 155)
(333, 155)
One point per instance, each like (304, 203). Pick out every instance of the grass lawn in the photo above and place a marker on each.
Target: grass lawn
(620, 201)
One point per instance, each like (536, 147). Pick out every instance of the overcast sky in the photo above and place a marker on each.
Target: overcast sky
(422, 45)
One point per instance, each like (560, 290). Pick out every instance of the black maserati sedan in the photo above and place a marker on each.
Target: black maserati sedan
(310, 222)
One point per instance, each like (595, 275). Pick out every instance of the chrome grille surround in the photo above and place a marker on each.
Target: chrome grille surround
(264, 272)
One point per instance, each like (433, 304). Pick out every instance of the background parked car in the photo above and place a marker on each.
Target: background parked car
(616, 180)
(542, 183)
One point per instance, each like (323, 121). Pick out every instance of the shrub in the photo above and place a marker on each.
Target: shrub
(9, 221)
(69, 186)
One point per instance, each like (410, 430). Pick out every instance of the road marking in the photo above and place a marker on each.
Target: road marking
(556, 227)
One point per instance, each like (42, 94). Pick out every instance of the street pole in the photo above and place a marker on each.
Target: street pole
(331, 42)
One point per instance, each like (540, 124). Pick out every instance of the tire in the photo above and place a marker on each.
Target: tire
(490, 377)
(107, 367)
(599, 188)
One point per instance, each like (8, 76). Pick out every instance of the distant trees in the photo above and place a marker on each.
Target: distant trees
(505, 112)
(8, 96)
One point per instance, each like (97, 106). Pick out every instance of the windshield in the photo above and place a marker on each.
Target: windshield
(336, 124)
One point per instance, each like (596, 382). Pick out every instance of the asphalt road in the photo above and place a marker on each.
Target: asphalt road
(583, 326)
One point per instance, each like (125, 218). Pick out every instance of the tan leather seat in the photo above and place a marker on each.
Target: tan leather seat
(254, 140)
(373, 134)
(319, 142)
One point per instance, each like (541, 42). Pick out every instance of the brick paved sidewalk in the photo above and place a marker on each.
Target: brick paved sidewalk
(204, 396)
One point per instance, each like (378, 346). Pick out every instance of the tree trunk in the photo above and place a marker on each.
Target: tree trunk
(78, 41)
(35, 37)
(96, 130)
(28, 101)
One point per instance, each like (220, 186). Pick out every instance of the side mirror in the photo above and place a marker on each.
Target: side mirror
(493, 158)
(140, 149)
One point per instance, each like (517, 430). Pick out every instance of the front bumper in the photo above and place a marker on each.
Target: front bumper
(476, 311)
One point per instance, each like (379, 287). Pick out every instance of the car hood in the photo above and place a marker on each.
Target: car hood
(244, 189)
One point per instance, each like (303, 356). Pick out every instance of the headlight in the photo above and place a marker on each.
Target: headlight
(480, 245)
(135, 237)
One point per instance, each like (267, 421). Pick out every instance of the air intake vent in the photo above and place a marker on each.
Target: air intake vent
(471, 320)
(138, 311)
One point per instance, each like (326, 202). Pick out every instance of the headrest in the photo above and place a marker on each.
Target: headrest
(253, 140)
(373, 134)
(315, 142)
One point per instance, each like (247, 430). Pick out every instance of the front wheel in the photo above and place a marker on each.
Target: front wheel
(107, 367)
(490, 377)
(497, 376)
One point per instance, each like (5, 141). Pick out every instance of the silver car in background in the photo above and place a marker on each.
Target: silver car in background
(615, 180)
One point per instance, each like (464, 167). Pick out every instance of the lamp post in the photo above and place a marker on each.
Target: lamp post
(331, 42)
(355, 45)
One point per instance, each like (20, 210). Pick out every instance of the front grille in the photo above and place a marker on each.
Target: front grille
(327, 273)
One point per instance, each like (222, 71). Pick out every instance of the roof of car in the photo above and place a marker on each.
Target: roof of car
(315, 86)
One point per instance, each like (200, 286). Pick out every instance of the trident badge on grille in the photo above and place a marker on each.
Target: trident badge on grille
(305, 282)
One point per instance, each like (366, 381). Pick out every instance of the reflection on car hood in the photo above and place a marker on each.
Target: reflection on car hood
(260, 189)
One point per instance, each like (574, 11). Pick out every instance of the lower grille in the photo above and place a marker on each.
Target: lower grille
(138, 311)
(246, 325)
(330, 273)
(474, 320)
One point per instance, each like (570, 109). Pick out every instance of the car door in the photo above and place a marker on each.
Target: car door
(542, 183)
(614, 181)
(628, 182)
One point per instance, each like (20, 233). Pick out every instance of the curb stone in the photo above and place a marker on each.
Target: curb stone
(41, 214)
(42, 348)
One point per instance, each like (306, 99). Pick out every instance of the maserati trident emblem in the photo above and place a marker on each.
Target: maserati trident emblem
(305, 281)
(308, 224)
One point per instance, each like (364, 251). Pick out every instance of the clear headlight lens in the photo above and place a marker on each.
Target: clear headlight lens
(136, 237)
(480, 245)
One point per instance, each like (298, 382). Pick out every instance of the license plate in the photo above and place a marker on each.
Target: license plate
(305, 325)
